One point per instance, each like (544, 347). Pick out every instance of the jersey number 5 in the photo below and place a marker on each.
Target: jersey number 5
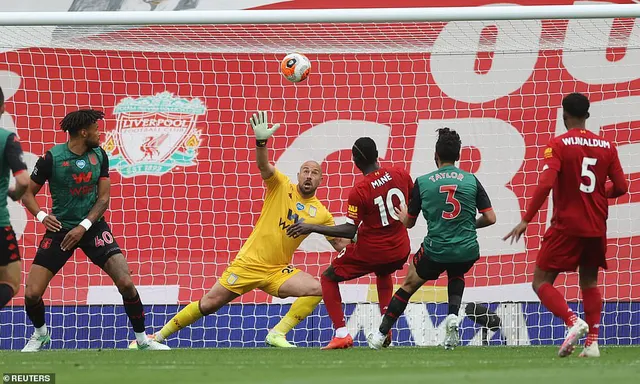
(450, 190)
(384, 219)
(586, 172)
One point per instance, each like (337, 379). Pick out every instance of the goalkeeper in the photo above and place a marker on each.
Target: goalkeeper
(264, 260)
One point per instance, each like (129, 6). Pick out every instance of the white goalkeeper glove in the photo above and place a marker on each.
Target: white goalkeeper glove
(261, 128)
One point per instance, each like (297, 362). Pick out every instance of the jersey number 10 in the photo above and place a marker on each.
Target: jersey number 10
(384, 218)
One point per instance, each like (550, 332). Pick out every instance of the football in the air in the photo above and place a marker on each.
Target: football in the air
(295, 67)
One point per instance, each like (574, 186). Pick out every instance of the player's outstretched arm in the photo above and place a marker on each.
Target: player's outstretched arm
(406, 218)
(548, 178)
(346, 231)
(259, 123)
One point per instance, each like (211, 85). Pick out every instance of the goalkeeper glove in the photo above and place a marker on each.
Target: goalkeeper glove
(261, 128)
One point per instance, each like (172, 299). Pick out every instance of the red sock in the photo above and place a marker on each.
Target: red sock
(332, 301)
(553, 300)
(592, 304)
(385, 291)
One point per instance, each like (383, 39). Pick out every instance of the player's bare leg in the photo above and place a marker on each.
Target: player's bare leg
(10, 275)
(116, 267)
(217, 297)
(398, 303)
(37, 282)
(333, 302)
(551, 298)
(309, 293)
(592, 304)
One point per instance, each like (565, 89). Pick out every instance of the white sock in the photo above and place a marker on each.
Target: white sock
(141, 337)
(342, 332)
(42, 331)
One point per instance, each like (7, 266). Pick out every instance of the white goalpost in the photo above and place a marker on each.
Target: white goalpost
(178, 88)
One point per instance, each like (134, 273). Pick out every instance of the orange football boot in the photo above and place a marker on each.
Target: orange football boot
(340, 343)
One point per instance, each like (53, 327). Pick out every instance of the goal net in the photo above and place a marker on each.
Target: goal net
(186, 192)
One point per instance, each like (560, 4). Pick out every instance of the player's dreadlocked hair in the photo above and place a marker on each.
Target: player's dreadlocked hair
(80, 119)
(1, 96)
(576, 105)
(448, 145)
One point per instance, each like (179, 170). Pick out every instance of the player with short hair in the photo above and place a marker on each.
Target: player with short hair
(78, 176)
(448, 199)
(10, 161)
(382, 245)
(264, 261)
(578, 162)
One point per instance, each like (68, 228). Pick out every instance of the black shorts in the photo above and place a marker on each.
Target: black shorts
(9, 251)
(97, 243)
(428, 269)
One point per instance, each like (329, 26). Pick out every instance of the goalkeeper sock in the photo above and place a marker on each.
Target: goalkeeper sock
(396, 308)
(6, 294)
(455, 289)
(333, 302)
(384, 284)
(35, 312)
(134, 309)
(300, 309)
(592, 311)
(187, 316)
(553, 300)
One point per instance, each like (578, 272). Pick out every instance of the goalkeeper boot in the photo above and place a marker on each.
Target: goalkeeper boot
(339, 343)
(278, 340)
(452, 336)
(151, 345)
(576, 332)
(36, 341)
(376, 340)
(590, 350)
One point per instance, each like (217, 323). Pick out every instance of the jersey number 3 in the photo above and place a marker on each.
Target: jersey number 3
(450, 190)
(384, 218)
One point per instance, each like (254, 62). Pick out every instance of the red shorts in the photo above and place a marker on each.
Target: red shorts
(563, 253)
(349, 265)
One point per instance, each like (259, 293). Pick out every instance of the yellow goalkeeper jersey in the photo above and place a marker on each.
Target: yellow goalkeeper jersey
(269, 244)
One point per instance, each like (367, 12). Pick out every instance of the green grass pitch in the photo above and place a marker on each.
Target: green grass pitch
(494, 365)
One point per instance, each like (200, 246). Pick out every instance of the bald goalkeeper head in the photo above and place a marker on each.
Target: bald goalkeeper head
(309, 178)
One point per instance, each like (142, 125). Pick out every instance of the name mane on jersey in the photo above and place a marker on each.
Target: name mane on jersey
(446, 175)
(381, 181)
(587, 142)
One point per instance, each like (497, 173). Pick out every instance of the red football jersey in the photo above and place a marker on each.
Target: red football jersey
(583, 161)
(381, 236)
